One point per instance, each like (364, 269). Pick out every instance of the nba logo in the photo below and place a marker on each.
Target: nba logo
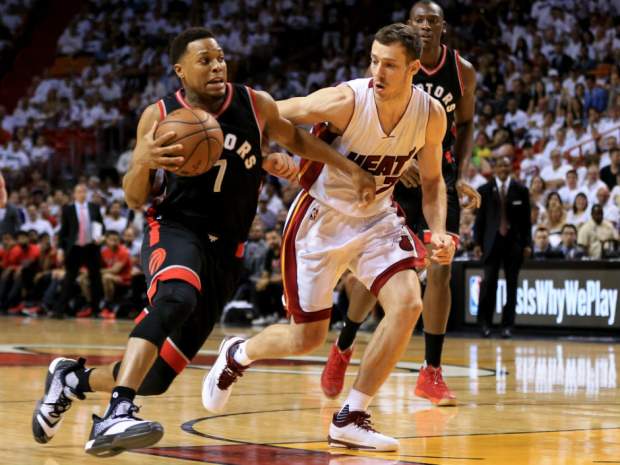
(474, 294)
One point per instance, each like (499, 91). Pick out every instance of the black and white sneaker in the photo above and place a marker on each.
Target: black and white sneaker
(57, 399)
(120, 430)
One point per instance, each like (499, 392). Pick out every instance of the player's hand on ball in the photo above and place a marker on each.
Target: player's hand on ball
(156, 154)
(411, 177)
(442, 249)
(473, 197)
(365, 186)
(281, 165)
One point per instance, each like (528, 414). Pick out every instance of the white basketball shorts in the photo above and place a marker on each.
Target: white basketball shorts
(320, 244)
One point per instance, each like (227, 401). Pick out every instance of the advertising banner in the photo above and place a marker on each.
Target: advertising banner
(554, 297)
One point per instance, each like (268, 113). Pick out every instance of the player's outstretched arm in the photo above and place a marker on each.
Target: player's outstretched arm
(434, 200)
(464, 144)
(307, 146)
(149, 154)
(334, 105)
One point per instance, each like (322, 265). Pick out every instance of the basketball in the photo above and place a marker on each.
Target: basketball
(201, 136)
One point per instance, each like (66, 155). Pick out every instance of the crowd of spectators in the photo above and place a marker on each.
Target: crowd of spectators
(548, 96)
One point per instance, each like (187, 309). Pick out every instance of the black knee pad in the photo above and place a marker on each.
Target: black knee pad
(158, 379)
(174, 302)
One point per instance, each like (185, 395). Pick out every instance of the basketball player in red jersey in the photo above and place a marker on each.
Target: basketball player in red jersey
(451, 80)
(193, 247)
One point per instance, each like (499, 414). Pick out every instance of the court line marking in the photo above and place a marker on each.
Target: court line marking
(411, 368)
(189, 428)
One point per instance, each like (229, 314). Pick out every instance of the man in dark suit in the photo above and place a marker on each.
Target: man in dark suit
(80, 229)
(502, 233)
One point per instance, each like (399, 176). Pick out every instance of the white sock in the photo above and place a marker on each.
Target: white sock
(241, 356)
(357, 400)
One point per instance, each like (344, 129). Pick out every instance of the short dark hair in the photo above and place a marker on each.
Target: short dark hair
(112, 232)
(179, 43)
(597, 207)
(569, 226)
(403, 34)
(541, 228)
(573, 171)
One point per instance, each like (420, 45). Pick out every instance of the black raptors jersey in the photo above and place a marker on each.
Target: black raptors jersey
(445, 83)
(221, 202)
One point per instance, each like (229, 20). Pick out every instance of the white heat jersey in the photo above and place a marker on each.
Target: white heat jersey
(365, 143)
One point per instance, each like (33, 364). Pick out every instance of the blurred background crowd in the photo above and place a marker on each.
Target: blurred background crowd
(548, 96)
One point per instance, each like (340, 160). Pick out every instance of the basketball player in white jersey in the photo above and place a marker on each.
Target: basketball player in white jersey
(381, 124)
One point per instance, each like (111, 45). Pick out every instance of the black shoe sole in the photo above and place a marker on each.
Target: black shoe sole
(136, 437)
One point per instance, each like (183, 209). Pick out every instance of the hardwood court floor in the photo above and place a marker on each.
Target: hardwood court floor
(520, 402)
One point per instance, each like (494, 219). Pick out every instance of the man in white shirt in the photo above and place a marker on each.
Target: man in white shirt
(515, 118)
(530, 165)
(114, 221)
(610, 211)
(593, 182)
(40, 152)
(555, 173)
(571, 189)
(595, 232)
(559, 142)
(110, 91)
(35, 222)
(13, 157)
(473, 177)
(93, 113)
(611, 121)
(23, 113)
(606, 145)
(583, 144)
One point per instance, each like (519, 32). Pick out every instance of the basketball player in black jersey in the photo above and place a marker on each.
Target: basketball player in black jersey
(193, 243)
(449, 78)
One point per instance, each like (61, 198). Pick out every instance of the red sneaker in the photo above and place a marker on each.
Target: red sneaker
(32, 311)
(332, 378)
(431, 386)
(107, 314)
(84, 313)
(16, 310)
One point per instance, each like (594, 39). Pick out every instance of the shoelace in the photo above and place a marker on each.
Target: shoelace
(229, 375)
(438, 378)
(362, 420)
(61, 406)
(129, 412)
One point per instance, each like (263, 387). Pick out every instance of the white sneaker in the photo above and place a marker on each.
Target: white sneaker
(353, 430)
(120, 430)
(49, 411)
(216, 385)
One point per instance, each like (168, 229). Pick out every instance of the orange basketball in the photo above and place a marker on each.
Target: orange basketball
(200, 135)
